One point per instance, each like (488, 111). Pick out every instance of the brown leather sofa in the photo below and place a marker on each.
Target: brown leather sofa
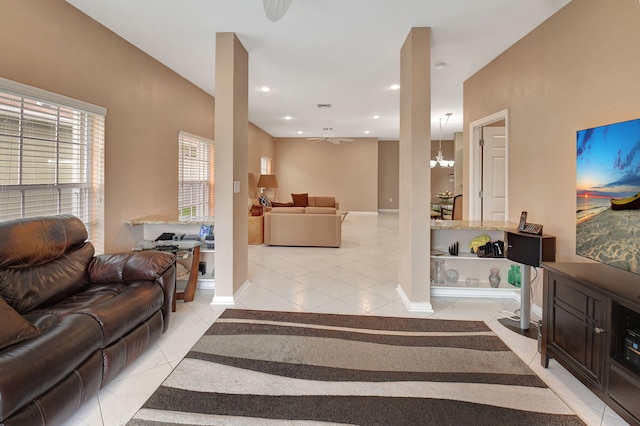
(71, 321)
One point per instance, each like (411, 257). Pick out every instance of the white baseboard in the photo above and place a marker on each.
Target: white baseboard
(414, 306)
(498, 293)
(223, 301)
(230, 300)
(206, 285)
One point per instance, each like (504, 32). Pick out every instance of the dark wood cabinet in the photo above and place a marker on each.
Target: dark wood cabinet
(587, 312)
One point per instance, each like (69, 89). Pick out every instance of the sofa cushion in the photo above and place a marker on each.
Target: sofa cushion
(323, 201)
(15, 329)
(42, 239)
(320, 210)
(27, 288)
(277, 204)
(300, 200)
(35, 366)
(119, 308)
(289, 210)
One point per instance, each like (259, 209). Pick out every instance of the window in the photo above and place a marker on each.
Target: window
(196, 189)
(265, 166)
(51, 157)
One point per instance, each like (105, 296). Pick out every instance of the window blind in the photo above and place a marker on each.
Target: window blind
(196, 187)
(51, 157)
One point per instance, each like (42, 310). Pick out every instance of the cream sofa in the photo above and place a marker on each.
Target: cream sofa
(310, 226)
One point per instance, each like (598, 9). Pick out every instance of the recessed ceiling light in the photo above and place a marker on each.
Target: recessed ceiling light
(366, 132)
(300, 132)
(440, 66)
(287, 117)
(394, 87)
(265, 89)
(375, 117)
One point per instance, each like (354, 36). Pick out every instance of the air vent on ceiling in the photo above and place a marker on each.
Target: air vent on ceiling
(324, 105)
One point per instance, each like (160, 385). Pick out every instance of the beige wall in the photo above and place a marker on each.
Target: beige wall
(260, 145)
(388, 175)
(389, 172)
(577, 70)
(348, 171)
(50, 45)
(55, 47)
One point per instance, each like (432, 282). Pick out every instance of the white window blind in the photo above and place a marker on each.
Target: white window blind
(196, 188)
(51, 157)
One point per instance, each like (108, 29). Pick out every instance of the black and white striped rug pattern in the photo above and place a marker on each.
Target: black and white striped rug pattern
(273, 368)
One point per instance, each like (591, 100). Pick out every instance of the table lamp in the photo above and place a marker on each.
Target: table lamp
(267, 183)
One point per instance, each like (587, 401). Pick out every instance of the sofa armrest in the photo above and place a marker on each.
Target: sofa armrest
(138, 266)
(129, 267)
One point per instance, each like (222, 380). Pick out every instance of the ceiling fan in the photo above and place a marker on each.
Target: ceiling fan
(329, 137)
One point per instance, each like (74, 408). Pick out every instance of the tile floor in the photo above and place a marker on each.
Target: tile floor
(358, 278)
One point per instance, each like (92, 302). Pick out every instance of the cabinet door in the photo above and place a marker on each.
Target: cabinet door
(577, 328)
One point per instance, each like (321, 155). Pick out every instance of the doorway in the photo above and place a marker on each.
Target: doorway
(489, 168)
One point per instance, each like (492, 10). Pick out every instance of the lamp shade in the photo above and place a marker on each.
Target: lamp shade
(267, 181)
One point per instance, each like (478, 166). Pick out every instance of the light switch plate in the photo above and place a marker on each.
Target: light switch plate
(236, 186)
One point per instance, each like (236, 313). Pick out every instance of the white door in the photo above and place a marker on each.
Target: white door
(494, 174)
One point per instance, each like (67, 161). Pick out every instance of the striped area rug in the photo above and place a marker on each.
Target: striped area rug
(273, 368)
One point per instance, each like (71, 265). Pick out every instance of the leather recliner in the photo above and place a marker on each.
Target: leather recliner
(71, 320)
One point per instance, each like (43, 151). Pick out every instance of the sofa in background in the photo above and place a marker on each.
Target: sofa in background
(71, 321)
(316, 224)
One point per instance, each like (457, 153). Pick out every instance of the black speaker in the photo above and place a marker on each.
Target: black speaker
(530, 249)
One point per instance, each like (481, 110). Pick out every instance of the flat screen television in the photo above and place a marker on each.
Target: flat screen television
(608, 194)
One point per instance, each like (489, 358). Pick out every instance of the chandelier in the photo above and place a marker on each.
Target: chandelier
(447, 164)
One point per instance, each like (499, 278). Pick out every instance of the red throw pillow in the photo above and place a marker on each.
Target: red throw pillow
(300, 200)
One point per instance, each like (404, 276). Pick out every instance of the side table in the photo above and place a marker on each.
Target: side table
(192, 249)
(256, 229)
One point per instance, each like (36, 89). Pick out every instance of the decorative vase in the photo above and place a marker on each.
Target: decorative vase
(514, 275)
(494, 278)
(439, 272)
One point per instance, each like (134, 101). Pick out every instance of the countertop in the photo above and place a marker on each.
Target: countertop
(472, 225)
(169, 220)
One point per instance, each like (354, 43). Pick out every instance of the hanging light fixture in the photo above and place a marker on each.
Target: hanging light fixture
(275, 9)
(447, 164)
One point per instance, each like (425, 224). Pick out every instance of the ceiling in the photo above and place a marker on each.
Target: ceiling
(340, 52)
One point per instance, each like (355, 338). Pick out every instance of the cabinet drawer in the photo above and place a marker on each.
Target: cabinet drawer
(625, 390)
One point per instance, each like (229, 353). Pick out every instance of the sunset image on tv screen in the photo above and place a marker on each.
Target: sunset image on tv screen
(608, 194)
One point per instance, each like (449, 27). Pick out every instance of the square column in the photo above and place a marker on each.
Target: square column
(231, 171)
(415, 173)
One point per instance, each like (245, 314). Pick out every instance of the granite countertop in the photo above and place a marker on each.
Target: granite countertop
(472, 225)
(170, 220)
